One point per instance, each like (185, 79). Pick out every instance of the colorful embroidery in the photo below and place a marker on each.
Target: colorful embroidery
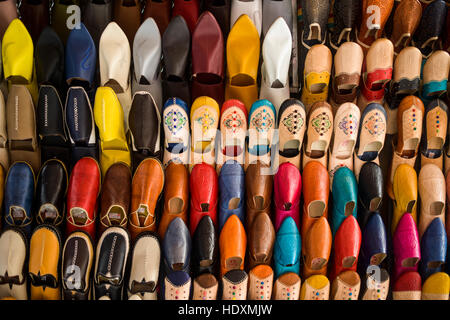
(374, 124)
(233, 121)
(321, 123)
(175, 121)
(293, 122)
(348, 124)
(262, 121)
(206, 120)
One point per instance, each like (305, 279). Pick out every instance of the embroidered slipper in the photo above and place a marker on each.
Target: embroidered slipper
(205, 287)
(260, 283)
(377, 285)
(261, 128)
(346, 286)
(233, 129)
(316, 287)
(318, 134)
(287, 287)
(291, 130)
(205, 114)
(234, 285)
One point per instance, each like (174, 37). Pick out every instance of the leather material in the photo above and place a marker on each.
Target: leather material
(374, 243)
(127, 14)
(50, 58)
(436, 287)
(260, 283)
(434, 130)
(146, 188)
(81, 57)
(176, 42)
(52, 184)
(177, 286)
(347, 243)
(176, 196)
(232, 245)
(316, 287)
(4, 151)
(115, 197)
(35, 15)
(272, 10)
(78, 252)
(432, 189)
(13, 252)
(19, 194)
(370, 191)
(159, 11)
(51, 127)
(317, 248)
(144, 122)
(111, 257)
(405, 194)
(261, 238)
(287, 191)
(208, 59)
(407, 287)
(144, 272)
(234, 285)
(406, 246)
(60, 14)
(287, 287)
(43, 264)
(232, 192)
(79, 119)
(252, 9)
(189, 10)
(221, 11)
(406, 20)
(82, 206)
(433, 247)
(204, 188)
(346, 286)
(345, 197)
(346, 13)
(370, 30)
(96, 15)
(258, 187)
(8, 12)
(23, 140)
(205, 253)
(435, 76)
(430, 27)
(108, 115)
(177, 247)
(315, 15)
(205, 287)
(315, 195)
(242, 66)
(287, 249)
(377, 286)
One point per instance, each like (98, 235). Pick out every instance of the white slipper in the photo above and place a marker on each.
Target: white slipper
(252, 8)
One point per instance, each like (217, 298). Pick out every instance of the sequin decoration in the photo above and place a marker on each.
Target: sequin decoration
(174, 121)
(321, 123)
(262, 121)
(293, 122)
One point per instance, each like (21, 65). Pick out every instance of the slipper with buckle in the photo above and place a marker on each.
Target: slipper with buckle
(175, 120)
(377, 286)
(405, 194)
(318, 134)
(78, 252)
(127, 14)
(342, 146)
(205, 287)
(159, 11)
(13, 253)
(234, 285)
(276, 55)
(407, 287)
(291, 130)
(144, 123)
(436, 287)
(316, 287)
(371, 136)
(208, 59)
(348, 62)
(260, 280)
(377, 72)
(346, 286)
(233, 128)
(287, 287)
(287, 248)
(176, 46)
(205, 115)
(433, 247)
(43, 263)
(242, 65)
(432, 189)
(406, 17)
(253, 9)
(144, 270)
(147, 50)
(316, 75)
(261, 127)
(108, 115)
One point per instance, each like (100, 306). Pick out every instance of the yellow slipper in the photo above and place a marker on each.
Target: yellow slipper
(242, 62)
(316, 287)
(405, 193)
(108, 114)
(436, 287)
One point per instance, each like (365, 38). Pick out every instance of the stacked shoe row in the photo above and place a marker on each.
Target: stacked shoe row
(163, 176)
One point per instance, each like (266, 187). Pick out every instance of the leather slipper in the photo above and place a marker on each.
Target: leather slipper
(436, 287)
(276, 55)
(316, 287)
(35, 15)
(374, 243)
(435, 75)
(261, 238)
(260, 283)
(159, 11)
(78, 252)
(60, 15)
(252, 9)
(221, 11)
(127, 14)
(232, 192)
(407, 287)
(287, 287)
(405, 194)
(346, 286)
(96, 15)
(345, 15)
(205, 252)
(177, 286)
(233, 245)
(189, 10)
(274, 9)
(8, 12)
(370, 191)
(234, 285)
(287, 192)
(377, 286)
(433, 249)
(406, 19)
(147, 50)
(287, 248)
(177, 247)
(205, 287)
(242, 65)
(291, 131)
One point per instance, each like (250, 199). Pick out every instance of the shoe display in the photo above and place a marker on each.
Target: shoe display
(205, 248)
(287, 191)
(176, 248)
(287, 249)
(232, 191)
(344, 192)
(232, 244)
(287, 287)
(261, 238)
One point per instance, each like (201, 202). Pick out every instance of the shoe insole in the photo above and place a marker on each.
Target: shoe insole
(233, 263)
(345, 149)
(232, 151)
(242, 80)
(435, 143)
(410, 262)
(375, 204)
(348, 262)
(346, 88)
(291, 144)
(316, 209)
(377, 258)
(116, 215)
(260, 258)
(259, 202)
(114, 85)
(318, 148)
(318, 263)
(175, 205)
(259, 150)
(143, 213)
(410, 147)
(208, 78)
(79, 215)
(234, 203)
(434, 264)
(410, 206)
(349, 207)
(316, 88)
(203, 146)
(436, 208)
